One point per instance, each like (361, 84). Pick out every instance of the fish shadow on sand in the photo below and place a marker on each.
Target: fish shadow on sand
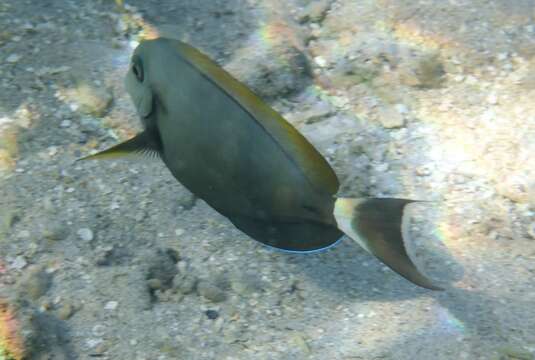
(348, 271)
(458, 314)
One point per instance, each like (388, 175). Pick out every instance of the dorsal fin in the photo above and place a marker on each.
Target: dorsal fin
(314, 166)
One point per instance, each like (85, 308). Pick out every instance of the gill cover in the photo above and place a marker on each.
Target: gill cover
(137, 84)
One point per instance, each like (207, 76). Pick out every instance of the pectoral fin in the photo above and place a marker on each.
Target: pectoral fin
(141, 144)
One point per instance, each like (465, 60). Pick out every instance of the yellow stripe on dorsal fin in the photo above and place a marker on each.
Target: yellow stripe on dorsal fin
(316, 169)
(141, 144)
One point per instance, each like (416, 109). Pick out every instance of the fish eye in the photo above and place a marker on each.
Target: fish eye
(137, 69)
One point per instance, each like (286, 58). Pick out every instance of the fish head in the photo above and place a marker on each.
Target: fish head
(138, 84)
(155, 70)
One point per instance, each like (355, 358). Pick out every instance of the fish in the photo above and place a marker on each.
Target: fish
(234, 151)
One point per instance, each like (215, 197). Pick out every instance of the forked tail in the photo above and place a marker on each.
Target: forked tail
(377, 224)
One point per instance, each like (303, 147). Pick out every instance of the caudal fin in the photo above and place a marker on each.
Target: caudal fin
(377, 225)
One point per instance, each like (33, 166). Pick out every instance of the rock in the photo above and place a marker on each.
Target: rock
(106, 255)
(5, 36)
(212, 314)
(424, 71)
(186, 200)
(299, 341)
(211, 292)
(245, 284)
(35, 283)
(55, 231)
(66, 311)
(184, 283)
(390, 118)
(517, 187)
(278, 67)
(315, 11)
(93, 101)
(182, 266)
(85, 234)
(7, 219)
(162, 269)
(154, 284)
(318, 112)
(514, 352)
(65, 123)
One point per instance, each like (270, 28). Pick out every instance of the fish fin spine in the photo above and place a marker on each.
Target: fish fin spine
(142, 144)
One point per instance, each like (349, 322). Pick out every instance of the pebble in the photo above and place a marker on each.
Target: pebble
(381, 167)
(471, 80)
(423, 170)
(315, 11)
(492, 99)
(531, 230)
(184, 283)
(186, 200)
(182, 266)
(316, 113)
(401, 108)
(154, 284)
(66, 311)
(99, 330)
(211, 292)
(162, 269)
(93, 101)
(111, 305)
(91, 343)
(19, 263)
(211, 314)
(105, 255)
(245, 284)
(85, 234)
(320, 61)
(65, 123)
(300, 342)
(390, 118)
(13, 58)
(502, 56)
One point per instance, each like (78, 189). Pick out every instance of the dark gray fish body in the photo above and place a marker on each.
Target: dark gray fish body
(234, 162)
(235, 152)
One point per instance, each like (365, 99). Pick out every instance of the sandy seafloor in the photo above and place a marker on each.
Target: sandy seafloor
(423, 99)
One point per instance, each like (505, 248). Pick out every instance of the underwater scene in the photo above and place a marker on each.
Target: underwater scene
(267, 179)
